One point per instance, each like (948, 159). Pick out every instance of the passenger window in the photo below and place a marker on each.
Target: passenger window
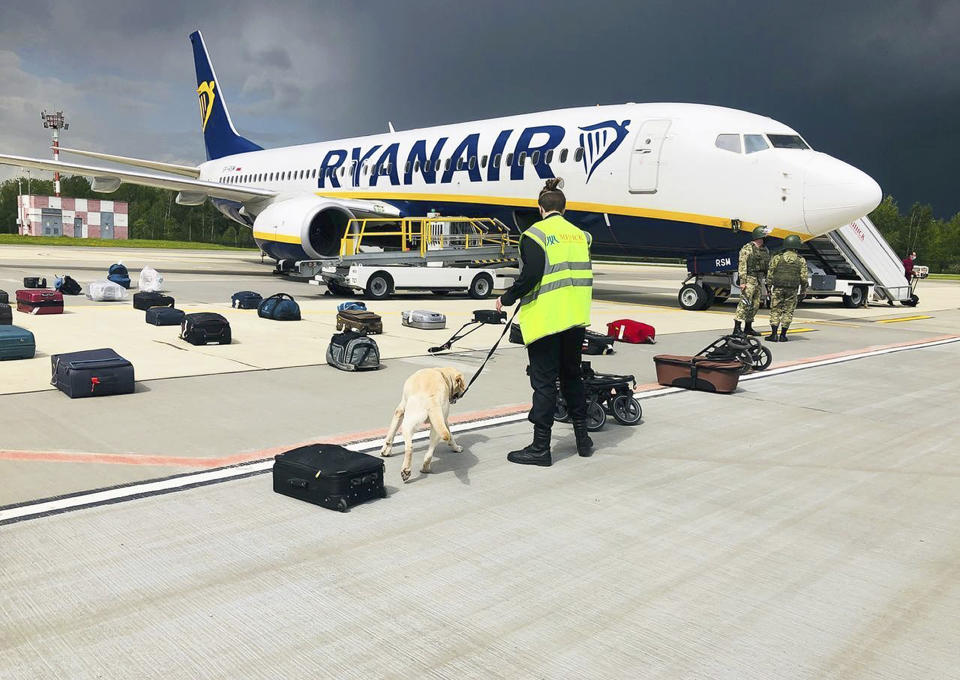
(460, 164)
(342, 170)
(578, 155)
(483, 161)
(365, 168)
(509, 160)
(406, 167)
(446, 166)
(496, 161)
(535, 157)
(521, 158)
(548, 157)
(436, 166)
(563, 156)
(473, 162)
(416, 165)
(728, 143)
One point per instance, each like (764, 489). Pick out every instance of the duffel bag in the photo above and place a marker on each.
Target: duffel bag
(145, 301)
(635, 332)
(352, 351)
(279, 307)
(204, 328)
(164, 316)
(351, 307)
(246, 299)
(67, 285)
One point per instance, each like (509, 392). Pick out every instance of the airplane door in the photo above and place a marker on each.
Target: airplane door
(645, 158)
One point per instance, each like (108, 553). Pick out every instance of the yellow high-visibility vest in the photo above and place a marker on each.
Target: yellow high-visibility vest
(562, 298)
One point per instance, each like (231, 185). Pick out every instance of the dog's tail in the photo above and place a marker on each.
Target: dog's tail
(438, 422)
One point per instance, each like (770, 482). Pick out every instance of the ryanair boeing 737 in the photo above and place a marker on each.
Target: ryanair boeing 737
(644, 179)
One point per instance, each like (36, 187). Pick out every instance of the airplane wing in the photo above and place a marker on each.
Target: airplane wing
(185, 170)
(110, 179)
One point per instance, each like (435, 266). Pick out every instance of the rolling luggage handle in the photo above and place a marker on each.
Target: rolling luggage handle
(480, 317)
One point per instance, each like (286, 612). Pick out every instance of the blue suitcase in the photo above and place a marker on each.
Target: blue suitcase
(246, 299)
(16, 343)
(164, 316)
(92, 373)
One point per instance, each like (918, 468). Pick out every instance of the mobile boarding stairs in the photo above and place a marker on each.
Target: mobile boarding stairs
(853, 262)
(440, 254)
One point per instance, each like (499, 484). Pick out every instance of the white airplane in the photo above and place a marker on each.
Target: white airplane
(644, 179)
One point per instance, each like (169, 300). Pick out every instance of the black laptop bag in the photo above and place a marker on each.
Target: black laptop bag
(203, 328)
(91, 373)
(145, 301)
(164, 316)
(328, 475)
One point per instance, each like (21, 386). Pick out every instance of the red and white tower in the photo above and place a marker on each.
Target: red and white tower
(56, 122)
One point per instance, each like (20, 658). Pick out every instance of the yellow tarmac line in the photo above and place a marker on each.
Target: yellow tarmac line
(904, 318)
(801, 330)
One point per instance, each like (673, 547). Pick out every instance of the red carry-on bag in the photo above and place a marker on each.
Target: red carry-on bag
(628, 330)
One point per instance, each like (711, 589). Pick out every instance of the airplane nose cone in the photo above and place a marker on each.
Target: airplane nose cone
(836, 194)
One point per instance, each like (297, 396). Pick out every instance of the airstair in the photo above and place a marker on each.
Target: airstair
(855, 260)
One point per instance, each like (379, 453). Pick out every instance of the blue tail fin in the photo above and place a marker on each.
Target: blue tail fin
(219, 135)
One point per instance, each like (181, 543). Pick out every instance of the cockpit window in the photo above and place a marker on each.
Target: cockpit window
(787, 142)
(754, 143)
(729, 143)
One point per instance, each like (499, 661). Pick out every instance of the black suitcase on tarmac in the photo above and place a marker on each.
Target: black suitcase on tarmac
(34, 282)
(164, 316)
(91, 373)
(145, 301)
(328, 475)
(203, 328)
(6, 314)
(4, 297)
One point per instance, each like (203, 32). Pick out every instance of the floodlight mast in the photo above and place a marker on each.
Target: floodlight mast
(56, 122)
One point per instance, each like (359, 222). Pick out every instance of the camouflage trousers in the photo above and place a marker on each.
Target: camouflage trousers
(782, 303)
(750, 291)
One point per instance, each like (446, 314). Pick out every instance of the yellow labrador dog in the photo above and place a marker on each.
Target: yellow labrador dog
(427, 395)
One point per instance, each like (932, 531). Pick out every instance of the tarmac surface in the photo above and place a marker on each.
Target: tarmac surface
(803, 527)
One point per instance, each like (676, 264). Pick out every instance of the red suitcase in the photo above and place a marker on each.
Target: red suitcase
(628, 330)
(41, 301)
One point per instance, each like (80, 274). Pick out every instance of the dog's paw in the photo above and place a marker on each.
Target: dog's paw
(456, 448)
(404, 475)
(386, 452)
(425, 468)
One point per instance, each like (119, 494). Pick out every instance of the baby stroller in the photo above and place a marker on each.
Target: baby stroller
(749, 351)
(606, 393)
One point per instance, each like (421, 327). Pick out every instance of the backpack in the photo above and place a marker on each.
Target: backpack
(351, 307)
(119, 275)
(279, 307)
(67, 285)
(246, 299)
(628, 330)
(352, 351)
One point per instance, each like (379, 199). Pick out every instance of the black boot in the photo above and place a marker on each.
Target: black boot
(537, 453)
(737, 328)
(584, 443)
(748, 330)
(783, 334)
(773, 334)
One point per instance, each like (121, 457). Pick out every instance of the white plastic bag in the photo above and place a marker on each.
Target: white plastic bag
(151, 281)
(106, 291)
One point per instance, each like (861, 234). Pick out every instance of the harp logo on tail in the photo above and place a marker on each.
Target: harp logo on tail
(599, 141)
(207, 97)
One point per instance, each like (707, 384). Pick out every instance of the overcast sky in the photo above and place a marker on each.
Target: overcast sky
(875, 84)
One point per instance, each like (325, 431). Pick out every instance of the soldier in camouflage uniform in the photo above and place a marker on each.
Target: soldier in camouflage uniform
(751, 268)
(787, 272)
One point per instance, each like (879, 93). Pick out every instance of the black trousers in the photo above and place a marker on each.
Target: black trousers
(552, 357)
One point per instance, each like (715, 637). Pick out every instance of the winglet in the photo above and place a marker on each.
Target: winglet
(219, 135)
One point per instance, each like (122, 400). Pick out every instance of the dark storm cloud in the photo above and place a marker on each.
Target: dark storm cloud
(873, 84)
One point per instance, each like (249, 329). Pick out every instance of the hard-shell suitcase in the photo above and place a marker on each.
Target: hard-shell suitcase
(4, 296)
(695, 373)
(362, 322)
(203, 328)
(423, 319)
(164, 316)
(91, 373)
(42, 301)
(328, 475)
(16, 343)
(246, 299)
(145, 300)
(34, 282)
(6, 314)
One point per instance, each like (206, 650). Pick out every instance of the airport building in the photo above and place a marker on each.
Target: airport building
(76, 217)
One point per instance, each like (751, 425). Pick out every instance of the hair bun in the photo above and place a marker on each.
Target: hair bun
(552, 184)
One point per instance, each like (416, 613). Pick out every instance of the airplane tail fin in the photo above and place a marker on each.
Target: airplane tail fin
(219, 135)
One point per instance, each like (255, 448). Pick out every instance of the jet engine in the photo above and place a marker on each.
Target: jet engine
(317, 221)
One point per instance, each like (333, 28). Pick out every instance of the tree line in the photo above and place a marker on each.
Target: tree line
(154, 214)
